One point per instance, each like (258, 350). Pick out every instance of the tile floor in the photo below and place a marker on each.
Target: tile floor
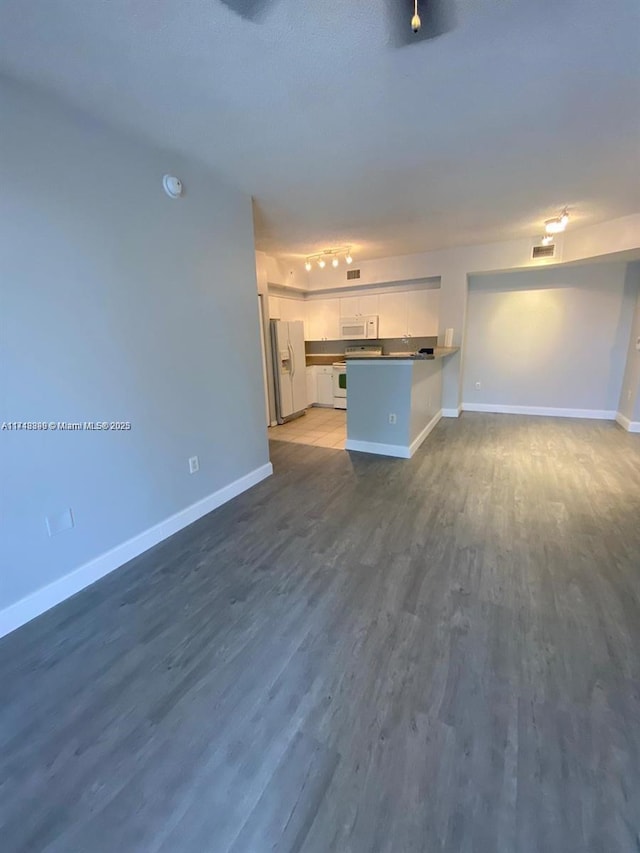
(319, 426)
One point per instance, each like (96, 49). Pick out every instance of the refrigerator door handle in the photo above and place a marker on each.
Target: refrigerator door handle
(293, 359)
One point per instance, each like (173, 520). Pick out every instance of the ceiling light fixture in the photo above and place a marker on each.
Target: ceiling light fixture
(558, 223)
(547, 240)
(332, 255)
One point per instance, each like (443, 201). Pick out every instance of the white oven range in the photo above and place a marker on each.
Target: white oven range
(339, 385)
(340, 371)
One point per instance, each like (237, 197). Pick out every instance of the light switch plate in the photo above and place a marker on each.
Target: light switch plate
(60, 521)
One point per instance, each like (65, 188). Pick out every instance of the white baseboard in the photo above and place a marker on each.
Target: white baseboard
(452, 413)
(415, 444)
(43, 599)
(544, 411)
(400, 451)
(630, 426)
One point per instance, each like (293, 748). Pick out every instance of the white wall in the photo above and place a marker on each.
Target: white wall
(284, 275)
(117, 303)
(263, 294)
(412, 390)
(453, 266)
(629, 405)
(553, 338)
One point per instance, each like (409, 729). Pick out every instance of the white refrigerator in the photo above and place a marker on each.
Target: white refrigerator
(289, 368)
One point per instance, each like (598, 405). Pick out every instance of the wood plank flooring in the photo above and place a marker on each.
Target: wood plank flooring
(361, 654)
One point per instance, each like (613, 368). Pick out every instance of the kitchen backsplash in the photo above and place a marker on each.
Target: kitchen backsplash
(388, 345)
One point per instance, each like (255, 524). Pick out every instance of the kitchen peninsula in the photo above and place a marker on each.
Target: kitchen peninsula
(394, 401)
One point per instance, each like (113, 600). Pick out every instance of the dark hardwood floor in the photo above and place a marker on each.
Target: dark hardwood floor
(361, 654)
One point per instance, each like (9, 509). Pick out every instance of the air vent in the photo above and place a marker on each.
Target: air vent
(351, 274)
(540, 252)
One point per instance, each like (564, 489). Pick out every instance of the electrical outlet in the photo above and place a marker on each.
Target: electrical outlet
(478, 386)
(392, 418)
(194, 465)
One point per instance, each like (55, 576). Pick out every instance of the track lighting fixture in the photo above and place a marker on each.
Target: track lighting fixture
(558, 223)
(332, 255)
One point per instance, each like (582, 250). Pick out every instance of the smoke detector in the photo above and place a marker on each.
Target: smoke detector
(172, 186)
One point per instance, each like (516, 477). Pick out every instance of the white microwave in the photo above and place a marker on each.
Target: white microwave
(359, 328)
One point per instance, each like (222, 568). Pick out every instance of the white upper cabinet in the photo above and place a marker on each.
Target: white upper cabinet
(349, 306)
(409, 312)
(393, 309)
(369, 304)
(292, 309)
(354, 306)
(422, 312)
(283, 308)
(323, 319)
(274, 308)
(313, 320)
(404, 312)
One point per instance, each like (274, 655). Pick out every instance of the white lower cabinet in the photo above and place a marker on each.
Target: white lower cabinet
(312, 386)
(324, 381)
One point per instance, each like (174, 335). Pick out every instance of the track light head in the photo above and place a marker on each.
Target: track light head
(558, 223)
(416, 23)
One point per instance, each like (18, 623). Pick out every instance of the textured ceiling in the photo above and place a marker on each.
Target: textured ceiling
(478, 135)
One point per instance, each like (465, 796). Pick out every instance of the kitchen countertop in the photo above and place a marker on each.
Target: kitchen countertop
(439, 352)
(330, 358)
